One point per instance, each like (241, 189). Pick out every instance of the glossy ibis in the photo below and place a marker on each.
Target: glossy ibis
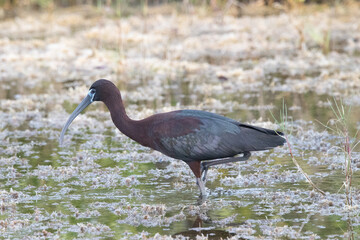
(201, 139)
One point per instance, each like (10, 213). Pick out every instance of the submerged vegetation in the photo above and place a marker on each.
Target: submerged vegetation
(100, 184)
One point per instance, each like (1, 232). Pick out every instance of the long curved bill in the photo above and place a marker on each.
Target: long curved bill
(84, 103)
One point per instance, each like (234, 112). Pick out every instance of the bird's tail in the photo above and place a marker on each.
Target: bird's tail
(261, 138)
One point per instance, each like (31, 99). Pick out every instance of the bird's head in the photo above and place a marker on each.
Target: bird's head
(100, 90)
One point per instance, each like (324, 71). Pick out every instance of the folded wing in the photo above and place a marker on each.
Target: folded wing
(197, 135)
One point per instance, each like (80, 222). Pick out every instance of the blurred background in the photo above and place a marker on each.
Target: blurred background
(236, 7)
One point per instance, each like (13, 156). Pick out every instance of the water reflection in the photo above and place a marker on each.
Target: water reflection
(200, 227)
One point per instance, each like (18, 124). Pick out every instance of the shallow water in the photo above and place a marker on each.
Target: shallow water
(142, 191)
(100, 184)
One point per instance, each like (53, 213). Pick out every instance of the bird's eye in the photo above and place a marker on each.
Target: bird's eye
(92, 94)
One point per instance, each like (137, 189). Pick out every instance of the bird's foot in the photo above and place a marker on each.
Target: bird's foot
(201, 199)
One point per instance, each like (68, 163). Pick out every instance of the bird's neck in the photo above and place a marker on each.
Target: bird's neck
(127, 126)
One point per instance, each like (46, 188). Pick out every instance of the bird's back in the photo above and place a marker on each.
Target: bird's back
(198, 135)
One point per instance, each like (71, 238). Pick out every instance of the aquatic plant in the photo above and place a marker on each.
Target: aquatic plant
(340, 126)
(286, 129)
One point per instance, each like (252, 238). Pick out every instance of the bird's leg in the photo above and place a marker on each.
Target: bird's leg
(204, 170)
(205, 165)
(201, 186)
(195, 166)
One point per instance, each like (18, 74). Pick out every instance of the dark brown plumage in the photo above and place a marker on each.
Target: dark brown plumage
(199, 138)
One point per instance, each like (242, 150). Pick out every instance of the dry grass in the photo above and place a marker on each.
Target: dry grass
(194, 7)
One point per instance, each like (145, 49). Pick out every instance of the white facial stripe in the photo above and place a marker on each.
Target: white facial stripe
(92, 94)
